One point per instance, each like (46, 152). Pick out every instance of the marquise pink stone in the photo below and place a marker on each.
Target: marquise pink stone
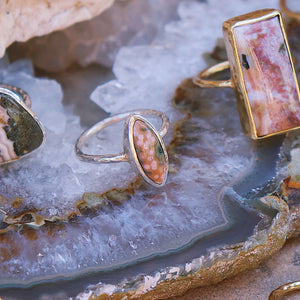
(149, 152)
(268, 76)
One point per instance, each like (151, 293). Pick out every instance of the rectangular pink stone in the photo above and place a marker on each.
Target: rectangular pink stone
(268, 76)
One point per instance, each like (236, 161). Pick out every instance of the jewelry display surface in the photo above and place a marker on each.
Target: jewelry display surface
(62, 218)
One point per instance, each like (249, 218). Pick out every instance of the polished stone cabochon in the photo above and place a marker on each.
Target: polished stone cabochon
(268, 76)
(150, 152)
(20, 133)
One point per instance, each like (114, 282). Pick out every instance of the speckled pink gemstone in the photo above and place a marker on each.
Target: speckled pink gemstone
(150, 152)
(268, 76)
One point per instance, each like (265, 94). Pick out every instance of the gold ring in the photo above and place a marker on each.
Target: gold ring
(202, 81)
(288, 12)
(262, 74)
(285, 289)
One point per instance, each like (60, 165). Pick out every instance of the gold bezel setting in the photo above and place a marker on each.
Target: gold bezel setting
(237, 80)
(245, 111)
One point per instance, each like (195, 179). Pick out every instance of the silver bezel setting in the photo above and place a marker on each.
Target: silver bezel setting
(22, 99)
(130, 151)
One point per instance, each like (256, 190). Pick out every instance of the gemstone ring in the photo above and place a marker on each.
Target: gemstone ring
(20, 130)
(262, 74)
(143, 145)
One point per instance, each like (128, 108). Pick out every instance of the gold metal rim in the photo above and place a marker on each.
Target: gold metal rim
(285, 289)
(202, 81)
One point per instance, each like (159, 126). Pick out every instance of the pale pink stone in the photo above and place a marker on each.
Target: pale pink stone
(268, 76)
(7, 151)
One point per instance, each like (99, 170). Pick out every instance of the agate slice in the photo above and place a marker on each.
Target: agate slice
(20, 131)
(138, 241)
(262, 69)
(147, 150)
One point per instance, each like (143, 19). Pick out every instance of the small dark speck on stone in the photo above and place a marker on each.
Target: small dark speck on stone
(282, 48)
(245, 63)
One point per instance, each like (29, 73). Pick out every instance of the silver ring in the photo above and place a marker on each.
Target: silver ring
(23, 96)
(20, 130)
(143, 145)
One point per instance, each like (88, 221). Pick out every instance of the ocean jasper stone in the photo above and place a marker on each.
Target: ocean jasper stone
(268, 76)
(20, 133)
(150, 152)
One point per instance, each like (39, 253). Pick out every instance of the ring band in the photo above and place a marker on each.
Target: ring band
(284, 289)
(288, 12)
(22, 94)
(20, 130)
(262, 74)
(202, 81)
(143, 145)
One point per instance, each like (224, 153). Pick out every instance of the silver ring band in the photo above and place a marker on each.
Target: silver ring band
(119, 157)
(22, 95)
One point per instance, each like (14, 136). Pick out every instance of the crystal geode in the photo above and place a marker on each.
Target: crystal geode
(90, 230)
